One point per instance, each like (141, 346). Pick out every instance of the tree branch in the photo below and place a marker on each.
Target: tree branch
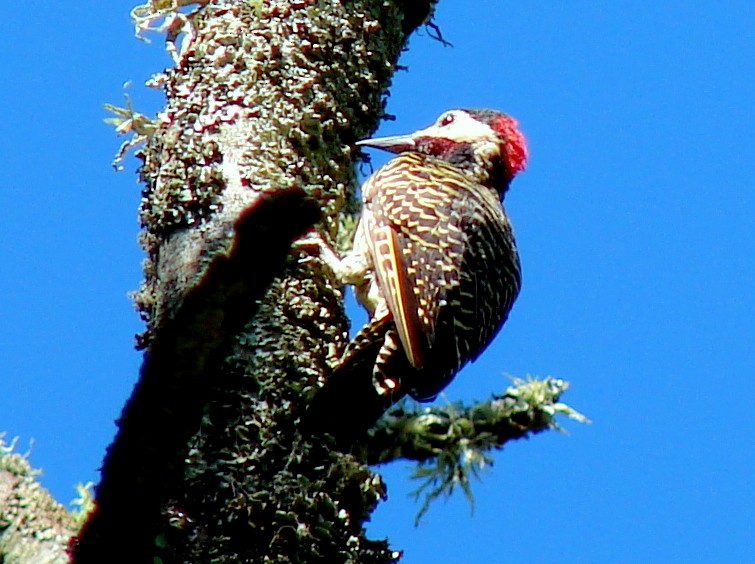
(33, 526)
(452, 442)
(413, 432)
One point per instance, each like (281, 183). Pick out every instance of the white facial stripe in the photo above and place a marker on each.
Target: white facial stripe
(463, 129)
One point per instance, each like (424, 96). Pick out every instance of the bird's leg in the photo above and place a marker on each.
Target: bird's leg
(312, 242)
(348, 269)
(354, 268)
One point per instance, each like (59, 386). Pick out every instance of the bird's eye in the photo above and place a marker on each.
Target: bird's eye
(446, 120)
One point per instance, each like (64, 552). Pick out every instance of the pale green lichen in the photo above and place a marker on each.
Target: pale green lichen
(470, 434)
(261, 100)
(145, 15)
(264, 96)
(544, 393)
(84, 501)
(33, 526)
(15, 462)
(452, 443)
(126, 120)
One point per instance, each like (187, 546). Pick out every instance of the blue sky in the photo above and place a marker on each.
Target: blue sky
(635, 221)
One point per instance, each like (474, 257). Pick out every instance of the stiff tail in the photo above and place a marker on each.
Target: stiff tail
(348, 405)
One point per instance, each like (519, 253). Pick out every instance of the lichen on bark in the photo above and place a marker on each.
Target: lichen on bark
(33, 526)
(261, 99)
(265, 97)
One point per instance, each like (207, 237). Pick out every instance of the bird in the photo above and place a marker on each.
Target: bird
(434, 262)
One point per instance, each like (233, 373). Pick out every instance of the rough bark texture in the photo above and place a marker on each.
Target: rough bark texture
(266, 98)
(178, 375)
(33, 526)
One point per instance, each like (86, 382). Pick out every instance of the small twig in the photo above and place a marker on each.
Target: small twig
(433, 30)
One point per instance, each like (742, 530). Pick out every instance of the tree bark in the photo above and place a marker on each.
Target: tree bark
(263, 106)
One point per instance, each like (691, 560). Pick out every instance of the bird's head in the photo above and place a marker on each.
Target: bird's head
(485, 142)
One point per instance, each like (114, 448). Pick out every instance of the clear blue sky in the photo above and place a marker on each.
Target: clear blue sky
(635, 222)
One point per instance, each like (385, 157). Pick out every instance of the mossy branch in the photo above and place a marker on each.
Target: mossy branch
(453, 442)
(33, 526)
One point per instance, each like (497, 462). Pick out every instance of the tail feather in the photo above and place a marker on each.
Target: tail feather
(348, 405)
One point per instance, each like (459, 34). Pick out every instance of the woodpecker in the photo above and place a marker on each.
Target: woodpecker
(434, 262)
